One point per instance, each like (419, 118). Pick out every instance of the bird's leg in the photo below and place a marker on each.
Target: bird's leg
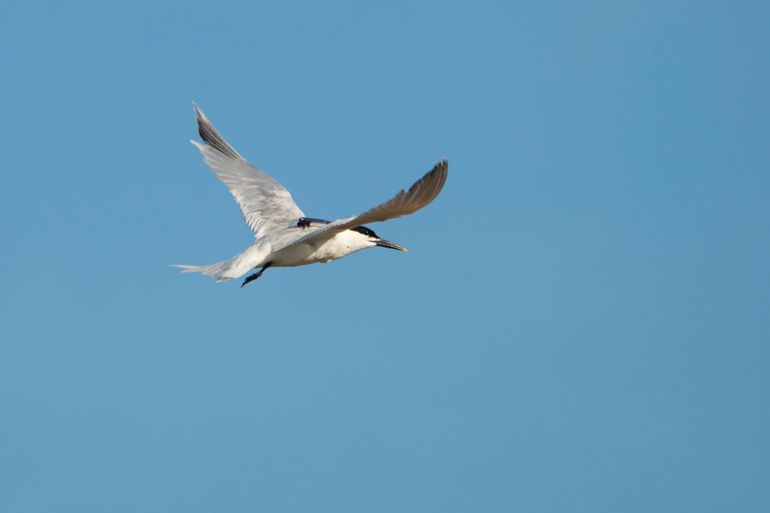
(256, 275)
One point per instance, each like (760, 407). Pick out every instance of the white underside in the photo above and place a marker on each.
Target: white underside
(342, 244)
(304, 253)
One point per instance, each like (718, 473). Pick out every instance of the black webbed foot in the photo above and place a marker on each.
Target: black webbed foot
(303, 222)
(251, 278)
(256, 275)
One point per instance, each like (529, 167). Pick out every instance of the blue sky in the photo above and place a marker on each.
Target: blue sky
(581, 324)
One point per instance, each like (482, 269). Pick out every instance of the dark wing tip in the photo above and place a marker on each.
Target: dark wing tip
(433, 182)
(442, 168)
(211, 136)
(437, 175)
(424, 190)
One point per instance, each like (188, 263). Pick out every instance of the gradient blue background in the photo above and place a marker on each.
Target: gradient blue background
(582, 323)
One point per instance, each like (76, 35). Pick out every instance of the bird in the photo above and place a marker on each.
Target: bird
(284, 236)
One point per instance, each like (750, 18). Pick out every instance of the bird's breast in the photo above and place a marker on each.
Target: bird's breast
(309, 253)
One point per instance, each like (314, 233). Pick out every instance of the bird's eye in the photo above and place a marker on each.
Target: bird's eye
(365, 231)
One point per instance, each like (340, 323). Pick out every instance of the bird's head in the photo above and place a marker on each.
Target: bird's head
(375, 240)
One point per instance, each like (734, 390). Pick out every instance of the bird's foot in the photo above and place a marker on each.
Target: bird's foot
(303, 222)
(251, 278)
(256, 275)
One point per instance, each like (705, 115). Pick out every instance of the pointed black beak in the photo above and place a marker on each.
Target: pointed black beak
(392, 245)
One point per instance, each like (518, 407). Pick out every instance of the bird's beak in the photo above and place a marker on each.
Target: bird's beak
(392, 245)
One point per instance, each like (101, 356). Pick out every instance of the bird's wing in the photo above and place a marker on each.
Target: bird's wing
(422, 192)
(264, 202)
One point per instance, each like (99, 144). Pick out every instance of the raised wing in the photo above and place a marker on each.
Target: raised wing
(265, 203)
(422, 192)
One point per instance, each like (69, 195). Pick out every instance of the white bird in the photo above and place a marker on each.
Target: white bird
(284, 236)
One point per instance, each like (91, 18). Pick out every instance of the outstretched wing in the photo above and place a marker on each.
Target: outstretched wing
(422, 192)
(264, 202)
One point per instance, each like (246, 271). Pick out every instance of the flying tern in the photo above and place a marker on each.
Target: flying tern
(285, 237)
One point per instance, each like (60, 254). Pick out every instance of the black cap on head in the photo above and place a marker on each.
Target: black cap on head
(365, 231)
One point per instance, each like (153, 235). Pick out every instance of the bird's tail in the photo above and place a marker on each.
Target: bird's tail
(233, 268)
(217, 270)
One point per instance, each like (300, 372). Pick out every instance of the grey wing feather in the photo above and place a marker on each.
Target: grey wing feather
(265, 203)
(420, 194)
(211, 136)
